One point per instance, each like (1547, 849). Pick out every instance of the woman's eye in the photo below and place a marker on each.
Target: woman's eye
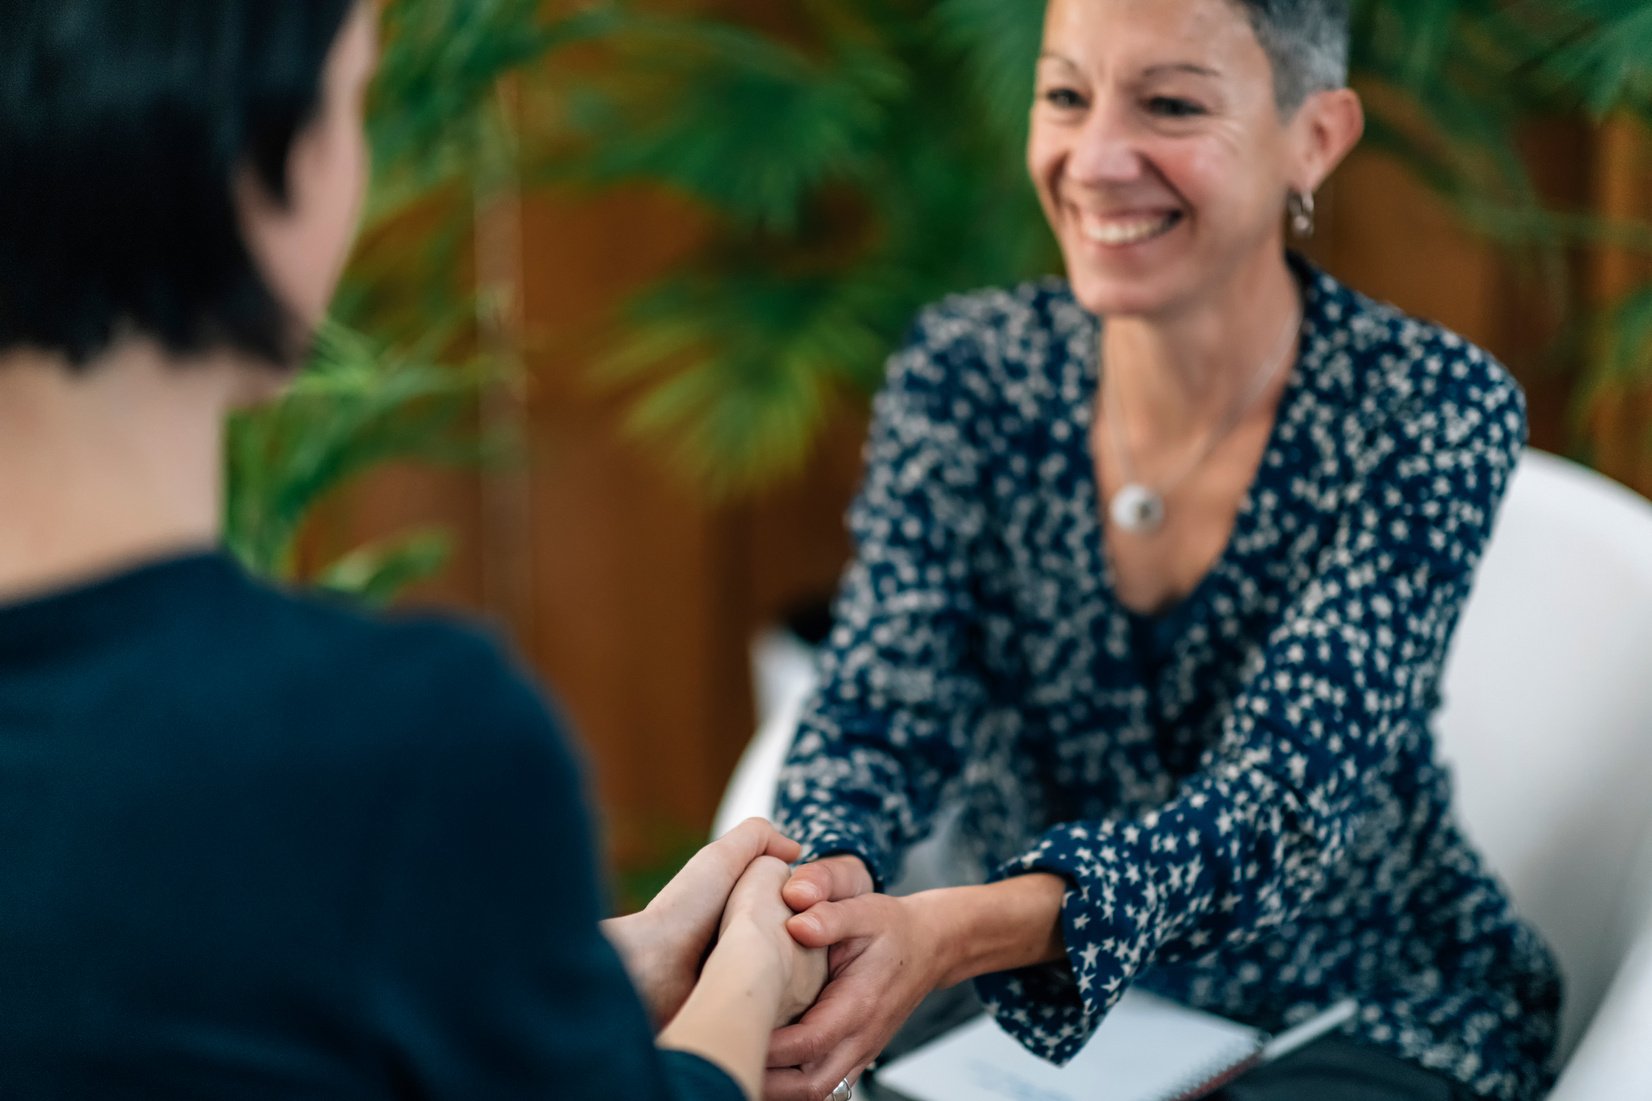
(1064, 98)
(1171, 107)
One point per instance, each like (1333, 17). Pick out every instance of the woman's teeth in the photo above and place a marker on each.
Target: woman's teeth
(1125, 231)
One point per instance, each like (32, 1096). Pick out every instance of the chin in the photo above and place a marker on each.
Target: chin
(1109, 295)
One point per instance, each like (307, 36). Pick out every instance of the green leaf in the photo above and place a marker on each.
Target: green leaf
(357, 407)
(377, 573)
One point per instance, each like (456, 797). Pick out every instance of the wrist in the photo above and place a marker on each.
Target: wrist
(751, 958)
(636, 939)
(730, 1013)
(942, 918)
(626, 933)
(1002, 926)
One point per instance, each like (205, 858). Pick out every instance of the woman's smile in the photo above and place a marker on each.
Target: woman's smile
(1123, 229)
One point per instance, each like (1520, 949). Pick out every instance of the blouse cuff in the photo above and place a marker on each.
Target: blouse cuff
(1053, 1009)
(840, 839)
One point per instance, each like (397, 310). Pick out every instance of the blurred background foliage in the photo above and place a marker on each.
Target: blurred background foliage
(861, 158)
(857, 159)
(399, 373)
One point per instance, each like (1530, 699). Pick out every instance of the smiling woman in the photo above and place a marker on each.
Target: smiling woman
(1161, 151)
(1156, 570)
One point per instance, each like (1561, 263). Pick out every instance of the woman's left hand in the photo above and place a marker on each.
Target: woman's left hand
(664, 945)
(883, 961)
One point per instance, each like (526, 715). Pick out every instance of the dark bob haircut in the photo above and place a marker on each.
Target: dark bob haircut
(123, 124)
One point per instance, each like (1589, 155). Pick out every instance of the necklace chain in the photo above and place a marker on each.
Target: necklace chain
(1140, 508)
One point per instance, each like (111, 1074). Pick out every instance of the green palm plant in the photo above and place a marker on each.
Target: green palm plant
(396, 375)
(867, 161)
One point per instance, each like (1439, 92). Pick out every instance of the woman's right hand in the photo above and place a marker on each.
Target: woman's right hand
(756, 913)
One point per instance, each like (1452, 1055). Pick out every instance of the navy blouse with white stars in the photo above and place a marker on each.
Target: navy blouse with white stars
(1243, 794)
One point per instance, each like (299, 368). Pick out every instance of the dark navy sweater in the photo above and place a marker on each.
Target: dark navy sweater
(260, 846)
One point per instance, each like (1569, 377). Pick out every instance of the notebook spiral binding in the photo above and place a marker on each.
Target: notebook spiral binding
(1213, 1076)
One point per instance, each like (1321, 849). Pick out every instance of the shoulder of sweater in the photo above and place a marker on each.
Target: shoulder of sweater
(991, 346)
(432, 673)
(1421, 378)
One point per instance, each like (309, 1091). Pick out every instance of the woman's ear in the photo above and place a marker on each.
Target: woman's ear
(1326, 129)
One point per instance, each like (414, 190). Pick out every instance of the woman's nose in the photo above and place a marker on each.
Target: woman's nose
(1107, 150)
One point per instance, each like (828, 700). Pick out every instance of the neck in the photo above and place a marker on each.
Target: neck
(107, 469)
(1182, 372)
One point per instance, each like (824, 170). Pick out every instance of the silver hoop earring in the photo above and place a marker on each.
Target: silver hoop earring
(1301, 208)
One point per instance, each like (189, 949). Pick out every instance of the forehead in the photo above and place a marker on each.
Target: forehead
(1136, 35)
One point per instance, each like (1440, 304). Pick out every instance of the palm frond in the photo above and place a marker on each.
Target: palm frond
(442, 141)
(356, 408)
(376, 573)
(879, 144)
(749, 125)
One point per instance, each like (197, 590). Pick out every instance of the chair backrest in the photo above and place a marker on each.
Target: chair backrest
(1610, 1060)
(1548, 715)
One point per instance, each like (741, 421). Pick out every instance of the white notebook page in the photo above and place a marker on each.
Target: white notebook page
(1147, 1049)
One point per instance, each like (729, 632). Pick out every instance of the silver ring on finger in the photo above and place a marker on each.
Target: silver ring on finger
(843, 1092)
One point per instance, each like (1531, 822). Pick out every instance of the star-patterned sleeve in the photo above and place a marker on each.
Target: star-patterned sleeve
(1249, 839)
(885, 728)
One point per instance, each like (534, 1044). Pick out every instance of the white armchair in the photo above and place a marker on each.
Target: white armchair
(1548, 724)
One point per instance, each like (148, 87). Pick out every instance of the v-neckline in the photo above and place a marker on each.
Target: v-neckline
(1245, 520)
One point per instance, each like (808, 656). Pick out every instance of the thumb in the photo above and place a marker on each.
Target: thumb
(827, 923)
(757, 837)
(827, 880)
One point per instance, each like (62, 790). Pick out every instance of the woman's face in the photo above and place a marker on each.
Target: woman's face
(1158, 151)
(301, 248)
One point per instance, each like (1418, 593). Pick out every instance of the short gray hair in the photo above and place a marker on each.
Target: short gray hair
(1307, 44)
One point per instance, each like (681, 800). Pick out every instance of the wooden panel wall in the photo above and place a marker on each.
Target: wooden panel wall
(637, 602)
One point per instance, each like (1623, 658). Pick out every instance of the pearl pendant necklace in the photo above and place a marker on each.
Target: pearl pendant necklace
(1138, 508)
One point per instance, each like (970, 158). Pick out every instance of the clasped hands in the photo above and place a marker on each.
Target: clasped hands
(856, 964)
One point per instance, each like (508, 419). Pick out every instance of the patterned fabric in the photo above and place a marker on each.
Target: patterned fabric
(1244, 796)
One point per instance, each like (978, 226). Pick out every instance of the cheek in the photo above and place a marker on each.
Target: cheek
(1041, 158)
(361, 174)
(1047, 154)
(339, 186)
(334, 201)
(1201, 171)
(1220, 180)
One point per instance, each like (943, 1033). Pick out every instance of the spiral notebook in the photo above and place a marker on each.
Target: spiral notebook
(1147, 1049)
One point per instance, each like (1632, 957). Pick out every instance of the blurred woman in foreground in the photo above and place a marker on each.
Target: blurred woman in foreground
(255, 845)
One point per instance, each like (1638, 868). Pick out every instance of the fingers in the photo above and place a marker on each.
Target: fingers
(879, 975)
(818, 1036)
(807, 1060)
(800, 1084)
(761, 881)
(756, 895)
(828, 880)
(757, 837)
(827, 923)
(716, 867)
(694, 900)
